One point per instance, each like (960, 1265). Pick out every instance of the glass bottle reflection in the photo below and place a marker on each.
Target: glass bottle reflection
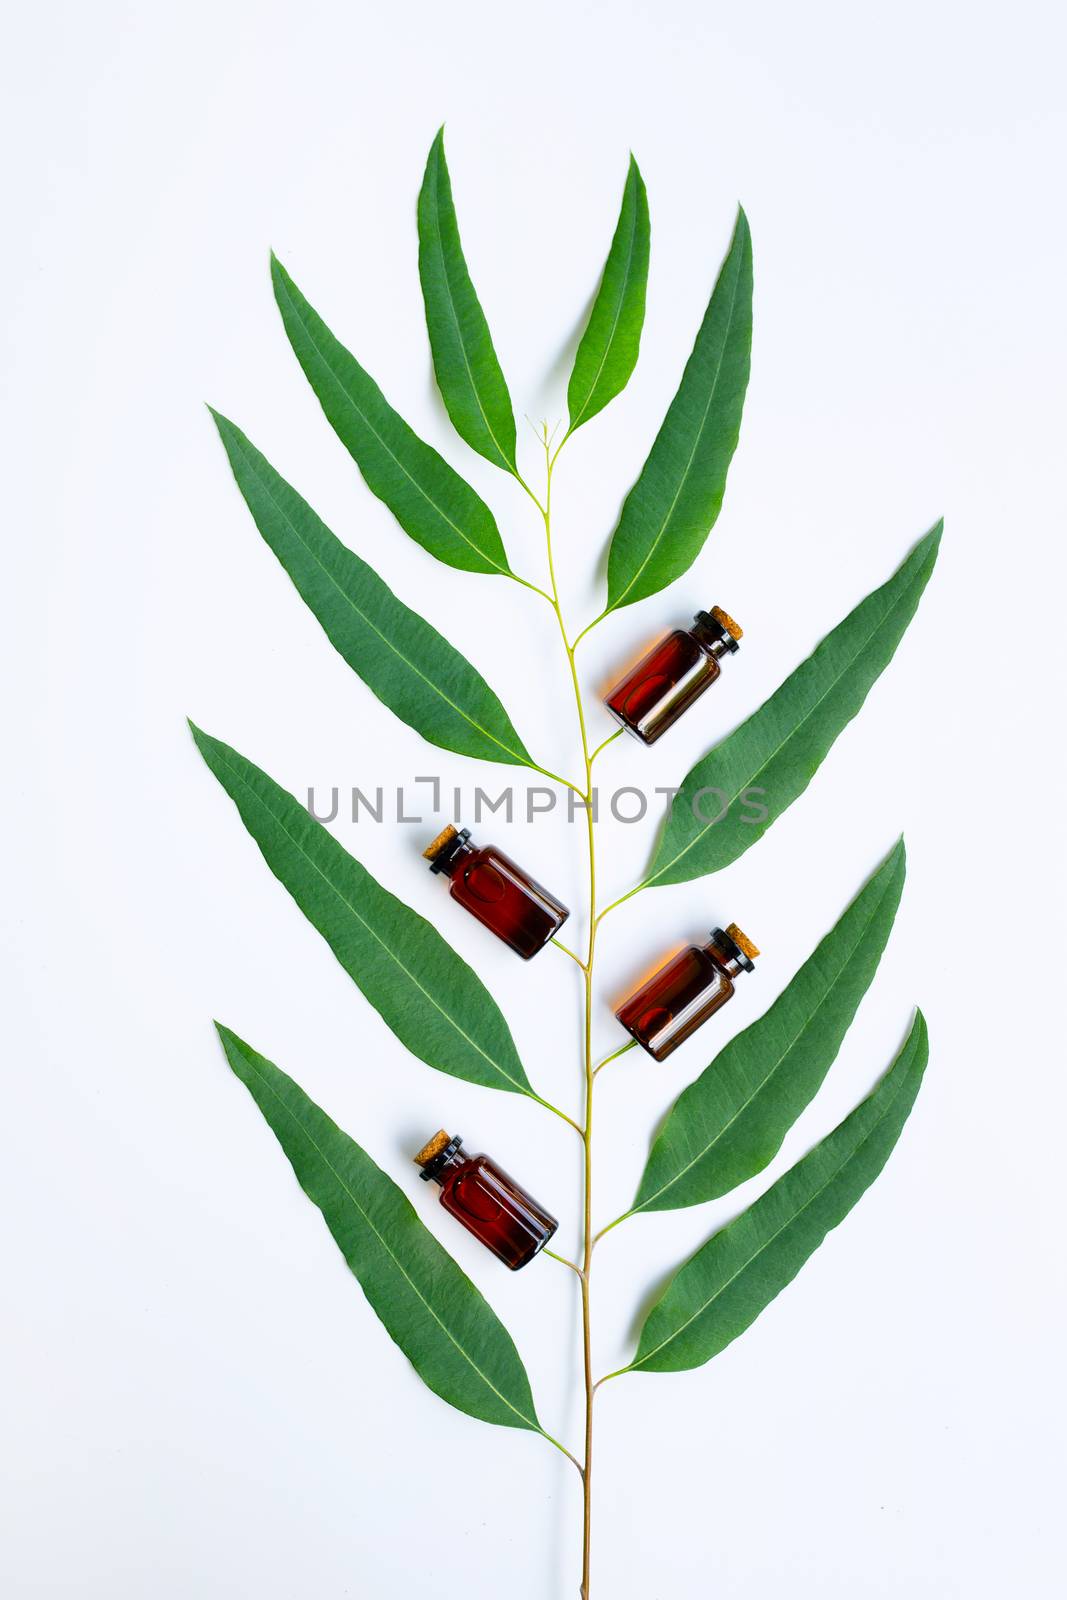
(671, 1005)
(489, 1203)
(497, 891)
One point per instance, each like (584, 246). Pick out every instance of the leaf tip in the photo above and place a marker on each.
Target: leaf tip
(277, 271)
(201, 739)
(435, 156)
(237, 1052)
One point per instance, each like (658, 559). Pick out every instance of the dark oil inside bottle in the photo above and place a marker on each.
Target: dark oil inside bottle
(653, 696)
(668, 1009)
(497, 1210)
(675, 673)
(674, 1002)
(501, 895)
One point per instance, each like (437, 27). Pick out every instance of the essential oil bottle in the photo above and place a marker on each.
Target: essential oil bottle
(478, 1193)
(686, 991)
(497, 891)
(652, 697)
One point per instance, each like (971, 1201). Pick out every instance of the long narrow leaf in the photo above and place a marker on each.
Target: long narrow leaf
(427, 497)
(608, 351)
(773, 756)
(448, 1331)
(730, 1123)
(423, 990)
(672, 507)
(405, 661)
(468, 372)
(721, 1290)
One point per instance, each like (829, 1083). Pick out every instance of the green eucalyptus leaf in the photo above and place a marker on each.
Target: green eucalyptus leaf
(468, 372)
(672, 507)
(770, 759)
(426, 1303)
(731, 1122)
(424, 991)
(607, 354)
(427, 497)
(405, 661)
(721, 1290)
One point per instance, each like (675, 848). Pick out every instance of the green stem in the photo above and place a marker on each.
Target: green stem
(614, 1057)
(541, 1101)
(568, 952)
(562, 1448)
(588, 629)
(588, 1069)
(566, 782)
(614, 1224)
(563, 1261)
(621, 901)
(609, 740)
(514, 576)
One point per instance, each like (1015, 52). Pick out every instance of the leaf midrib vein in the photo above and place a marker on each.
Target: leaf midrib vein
(615, 321)
(371, 930)
(789, 1223)
(523, 761)
(883, 619)
(807, 1022)
(509, 464)
(390, 1252)
(696, 443)
(384, 444)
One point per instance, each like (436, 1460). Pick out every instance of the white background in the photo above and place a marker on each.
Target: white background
(201, 1402)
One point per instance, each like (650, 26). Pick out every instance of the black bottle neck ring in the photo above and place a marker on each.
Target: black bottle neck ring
(445, 858)
(714, 635)
(732, 950)
(437, 1164)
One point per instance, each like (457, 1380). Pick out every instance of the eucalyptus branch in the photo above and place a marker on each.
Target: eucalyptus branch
(728, 1124)
(588, 1069)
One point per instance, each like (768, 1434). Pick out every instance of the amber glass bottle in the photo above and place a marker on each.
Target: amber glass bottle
(671, 1006)
(652, 697)
(497, 891)
(507, 1220)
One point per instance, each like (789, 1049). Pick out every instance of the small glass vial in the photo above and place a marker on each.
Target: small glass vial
(686, 991)
(497, 891)
(652, 697)
(506, 1219)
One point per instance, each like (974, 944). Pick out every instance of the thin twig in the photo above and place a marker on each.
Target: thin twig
(614, 1057)
(609, 740)
(567, 952)
(563, 1261)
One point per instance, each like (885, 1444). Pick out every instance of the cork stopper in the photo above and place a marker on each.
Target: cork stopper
(434, 1148)
(726, 621)
(742, 941)
(434, 848)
